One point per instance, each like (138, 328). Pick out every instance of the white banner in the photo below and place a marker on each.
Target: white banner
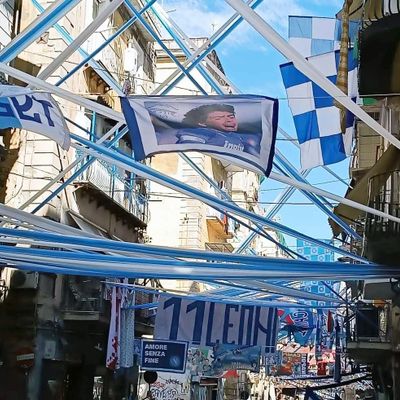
(34, 111)
(207, 323)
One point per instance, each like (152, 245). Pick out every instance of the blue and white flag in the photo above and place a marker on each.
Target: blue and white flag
(311, 36)
(238, 129)
(34, 111)
(316, 119)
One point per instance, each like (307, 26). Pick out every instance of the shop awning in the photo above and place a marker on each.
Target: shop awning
(389, 161)
(372, 10)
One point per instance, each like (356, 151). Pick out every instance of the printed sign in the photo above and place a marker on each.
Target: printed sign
(273, 358)
(298, 325)
(163, 355)
(207, 323)
(294, 364)
(199, 362)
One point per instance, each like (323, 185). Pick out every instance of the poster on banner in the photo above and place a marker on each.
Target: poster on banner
(163, 355)
(34, 111)
(298, 324)
(228, 357)
(293, 364)
(273, 358)
(199, 362)
(240, 129)
(207, 323)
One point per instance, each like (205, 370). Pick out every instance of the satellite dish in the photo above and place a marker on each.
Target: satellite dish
(150, 377)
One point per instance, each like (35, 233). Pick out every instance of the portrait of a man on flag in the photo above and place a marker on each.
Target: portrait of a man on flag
(240, 129)
(218, 125)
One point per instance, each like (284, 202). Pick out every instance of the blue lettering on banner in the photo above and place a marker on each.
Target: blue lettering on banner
(7, 115)
(209, 323)
(23, 109)
(163, 355)
(228, 325)
(176, 303)
(250, 312)
(199, 306)
(46, 109)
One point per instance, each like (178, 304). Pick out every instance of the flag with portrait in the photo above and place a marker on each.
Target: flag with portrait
(239, 130)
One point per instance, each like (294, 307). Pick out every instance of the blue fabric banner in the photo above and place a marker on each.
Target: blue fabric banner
(239, 130)
(311, 36)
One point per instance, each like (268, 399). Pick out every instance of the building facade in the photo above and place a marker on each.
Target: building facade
(373, 329)
(54, 328)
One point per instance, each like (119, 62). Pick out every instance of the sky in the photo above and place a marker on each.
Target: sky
(252, 64)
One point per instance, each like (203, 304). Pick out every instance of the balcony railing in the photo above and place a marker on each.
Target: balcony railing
(372, 324)
(123, 191)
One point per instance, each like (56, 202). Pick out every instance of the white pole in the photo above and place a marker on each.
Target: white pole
(269, 34)
(49, 17)
(273, 175)
(103, 15)
(65, 94)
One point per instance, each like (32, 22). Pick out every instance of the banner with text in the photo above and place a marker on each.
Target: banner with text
(208, 323)
(34, 111)
(163, 355)
(239, 129)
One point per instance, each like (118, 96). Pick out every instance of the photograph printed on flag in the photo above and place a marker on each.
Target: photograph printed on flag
(240, 129)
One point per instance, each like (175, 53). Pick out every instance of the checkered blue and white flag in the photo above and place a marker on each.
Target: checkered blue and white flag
(316, 119)
(311, 36)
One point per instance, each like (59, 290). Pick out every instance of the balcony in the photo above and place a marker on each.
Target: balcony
(122, 191)
(219, 226)
(370, 338)
(382, 234)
